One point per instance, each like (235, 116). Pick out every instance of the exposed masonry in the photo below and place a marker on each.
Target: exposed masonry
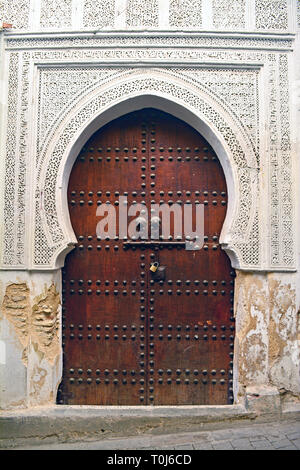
(35, 322)
(266, 350)
(16, 308)
(45, 323)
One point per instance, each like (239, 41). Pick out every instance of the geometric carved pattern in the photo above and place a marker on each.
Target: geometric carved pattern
(187, 47)
(271, 14)
(233, 91)
(61, 86)
(15, 12)
(56, 14)
(274, 167)
(126, 90)
(22, 184)
(238, 90)
(285, 183)
(222, 15)
(98, 14)
(140, 13)
(282, 246)
(234, 18)
(185, 13)
(10, 170)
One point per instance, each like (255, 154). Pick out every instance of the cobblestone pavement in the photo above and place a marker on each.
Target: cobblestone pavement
(280, 435)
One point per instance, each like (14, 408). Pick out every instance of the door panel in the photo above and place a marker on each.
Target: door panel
(130, 338)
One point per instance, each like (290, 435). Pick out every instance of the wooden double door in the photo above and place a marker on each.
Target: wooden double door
(131, 337)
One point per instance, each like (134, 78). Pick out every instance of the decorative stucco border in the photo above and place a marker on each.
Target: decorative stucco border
(239, 155)
(162, 39)
(245, 15)
(275, 115)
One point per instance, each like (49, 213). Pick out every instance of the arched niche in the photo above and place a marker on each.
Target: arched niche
(174, 96)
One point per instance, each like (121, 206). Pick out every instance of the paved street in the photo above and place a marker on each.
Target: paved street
(283, 435)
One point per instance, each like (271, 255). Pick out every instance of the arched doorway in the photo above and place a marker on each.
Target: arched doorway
(132, 337)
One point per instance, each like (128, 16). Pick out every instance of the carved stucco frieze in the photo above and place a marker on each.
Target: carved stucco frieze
(142, 14)
(111, 96)
(16, 161)
(15, 12)
(235, 91)
(281, 196)
(185, 13)
(10, 163)
(235, 17)
(59, 88)
(238, 90)
(269, 15)
(55, 14)
(186, 45)
(285, 182)
(98, 14)
(23, 163)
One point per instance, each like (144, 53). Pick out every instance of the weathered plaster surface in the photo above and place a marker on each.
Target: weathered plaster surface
(283, 347)
(36, 324)
(45, 323)
(16, 308)
(251, 346)
(31, 331)
(266, 344)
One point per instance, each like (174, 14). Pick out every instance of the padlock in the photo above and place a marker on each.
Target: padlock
(154, 266)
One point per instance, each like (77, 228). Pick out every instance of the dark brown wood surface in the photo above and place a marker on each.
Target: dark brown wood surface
(128, 338)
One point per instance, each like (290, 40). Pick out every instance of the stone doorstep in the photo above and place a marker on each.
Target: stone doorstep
(69, 422)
